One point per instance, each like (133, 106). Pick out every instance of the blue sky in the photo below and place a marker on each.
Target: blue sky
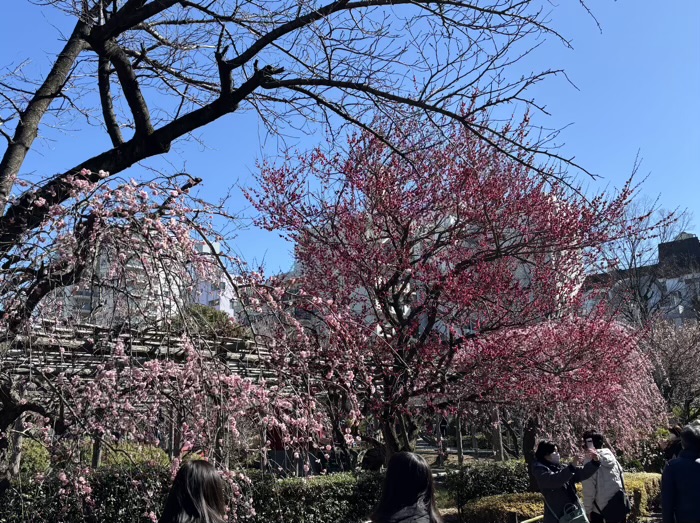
(638, 83)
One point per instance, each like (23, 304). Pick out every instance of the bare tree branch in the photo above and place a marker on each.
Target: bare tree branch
(24, 215)
(106, 100)
(28, 128)
(129, 82)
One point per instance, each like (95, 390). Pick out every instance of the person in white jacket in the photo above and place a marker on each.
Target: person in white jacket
(599, 489)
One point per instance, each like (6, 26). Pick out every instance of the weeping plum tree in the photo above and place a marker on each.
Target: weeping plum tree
(99, 241)
(135, 247)
(448, 275)
(210, 411)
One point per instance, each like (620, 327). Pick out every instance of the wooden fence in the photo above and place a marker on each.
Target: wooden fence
(79, 349)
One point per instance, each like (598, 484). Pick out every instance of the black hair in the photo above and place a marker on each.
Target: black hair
(197, 495)
(690, 437)
(597, 437)
(544, 448)
(408, 483)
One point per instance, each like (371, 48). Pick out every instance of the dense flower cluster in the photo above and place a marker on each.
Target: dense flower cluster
(440, 272)
(447, 278)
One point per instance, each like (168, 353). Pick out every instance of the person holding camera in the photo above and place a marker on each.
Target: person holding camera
(557, 483)
(604, 494)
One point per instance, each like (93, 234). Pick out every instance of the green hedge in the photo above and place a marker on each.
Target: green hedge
(135, 494)
(337, 498)
(644, 489)
(485, 478)
(126, 454)
(498, 509)
(118, 494)
(35, 457)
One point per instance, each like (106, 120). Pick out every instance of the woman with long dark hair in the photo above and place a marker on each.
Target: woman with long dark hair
(409, 494)
(197, 495)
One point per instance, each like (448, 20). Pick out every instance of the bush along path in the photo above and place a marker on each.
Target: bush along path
(120, 492)
(135, 494)
(644, 490)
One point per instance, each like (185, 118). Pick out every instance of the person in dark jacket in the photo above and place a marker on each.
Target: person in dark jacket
(680, 482)
(197, 495)
(409, 494)
(557, 481)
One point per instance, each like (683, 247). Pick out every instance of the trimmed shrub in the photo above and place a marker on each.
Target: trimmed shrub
(35, 457)
(498, 509)
(136, 493)
(116, 494)
(128, 454)
(644, 490)
(337, 498)
(486, 478)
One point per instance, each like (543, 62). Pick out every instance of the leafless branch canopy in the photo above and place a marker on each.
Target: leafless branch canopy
(152, 71)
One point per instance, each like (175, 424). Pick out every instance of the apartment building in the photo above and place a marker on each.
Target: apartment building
(669, 288)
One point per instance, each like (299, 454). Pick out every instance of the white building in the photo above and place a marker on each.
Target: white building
(129, 288)
(670, 287)
(217, 293)
(123, 288)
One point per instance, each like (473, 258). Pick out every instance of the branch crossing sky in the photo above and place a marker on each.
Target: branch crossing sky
(637, 86)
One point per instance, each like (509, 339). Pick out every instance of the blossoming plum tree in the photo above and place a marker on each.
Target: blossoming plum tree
(119, 223)
(447, 274)
(98, 240)
(197, 62)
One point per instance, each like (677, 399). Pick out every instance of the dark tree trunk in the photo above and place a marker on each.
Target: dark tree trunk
(28, 128)
(11, 411)
(515, 440)
(400, 435)
(96, 452)
(529, 442)
(460, 445)
(345, 455)
(17, 440)
(9, 455)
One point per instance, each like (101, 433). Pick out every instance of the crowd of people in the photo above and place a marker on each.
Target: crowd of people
(408, 496)
(604, 493)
